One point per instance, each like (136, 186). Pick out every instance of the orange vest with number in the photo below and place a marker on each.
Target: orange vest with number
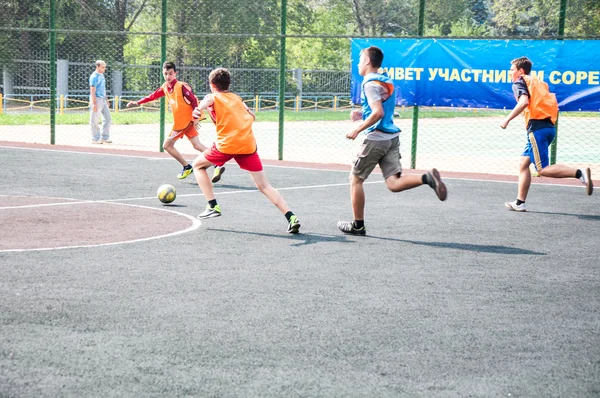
(181, 108)
(542, 103)
(234, 125)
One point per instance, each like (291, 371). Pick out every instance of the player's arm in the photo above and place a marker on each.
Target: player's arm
(206, 102)
(522, 104)
(356, 115)
(93, 97)
(250, 112)
(152, 97)
(188, 94)
(375, 116)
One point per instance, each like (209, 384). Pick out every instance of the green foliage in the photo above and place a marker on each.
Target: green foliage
(468, 27)
(531, 18)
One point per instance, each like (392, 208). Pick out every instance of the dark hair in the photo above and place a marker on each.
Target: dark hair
(375, 56)
(523, 63)
(220, 78)
(170, 65)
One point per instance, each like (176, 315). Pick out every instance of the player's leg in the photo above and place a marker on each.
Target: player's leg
(391, 167)
(544, 138)
(106, 122)
(192, 135)
(262, 183)
(200, 165)
(369, 155)
(197, 144)
(253, 164)
(169, 147)
(94, 119)
(522, 186)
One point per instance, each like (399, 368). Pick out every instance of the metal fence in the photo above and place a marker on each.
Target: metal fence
(298, 51)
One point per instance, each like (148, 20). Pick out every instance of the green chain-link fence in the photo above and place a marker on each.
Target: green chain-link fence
(45, 104)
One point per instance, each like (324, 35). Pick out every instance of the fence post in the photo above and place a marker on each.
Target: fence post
(335, 101)
(282, 77)
(256, 104)
(52, 72)
(61, 104)
(415, 124)
(561, 33)
(163, 59)
(116, 104)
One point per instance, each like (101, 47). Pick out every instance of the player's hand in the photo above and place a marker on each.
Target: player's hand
(352, 135)
(356, 115)
(197, 113)
(131, 103)
(504, 123)
(95, 108)
(196, 123)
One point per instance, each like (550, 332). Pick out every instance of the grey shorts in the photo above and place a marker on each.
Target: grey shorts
(384, 153)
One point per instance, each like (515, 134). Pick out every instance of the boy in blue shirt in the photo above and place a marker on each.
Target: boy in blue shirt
(382, 143)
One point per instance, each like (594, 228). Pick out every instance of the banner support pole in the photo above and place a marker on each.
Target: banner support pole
(561, 33)
(415, 118)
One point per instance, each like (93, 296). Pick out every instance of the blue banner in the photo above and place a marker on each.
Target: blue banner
(475, 73)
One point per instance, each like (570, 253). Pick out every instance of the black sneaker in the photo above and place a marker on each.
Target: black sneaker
(217, 173)
(347, 227)
(293, 225)
(435, 182)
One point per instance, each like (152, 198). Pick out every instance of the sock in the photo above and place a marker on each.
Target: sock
(520, 202)
(289, 215)
(578, 174)
(358, 224)
(189, 166)
(424, 179)
(212, 203)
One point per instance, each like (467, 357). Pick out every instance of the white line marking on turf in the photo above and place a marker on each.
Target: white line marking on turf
(195, 225)
(117, 201)
(274, 166)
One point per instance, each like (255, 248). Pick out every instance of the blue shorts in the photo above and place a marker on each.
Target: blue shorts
(537, 146)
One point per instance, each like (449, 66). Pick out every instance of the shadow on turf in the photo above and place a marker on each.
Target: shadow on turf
(309, 239)
(588, 217)
(302, 238)
(465, 246)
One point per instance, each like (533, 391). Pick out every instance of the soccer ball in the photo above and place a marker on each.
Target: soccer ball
(166, 193)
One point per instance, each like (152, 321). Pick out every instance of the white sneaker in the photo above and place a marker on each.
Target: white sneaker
(586, 179)
(106, 141)
(96, 142)
(514, 206)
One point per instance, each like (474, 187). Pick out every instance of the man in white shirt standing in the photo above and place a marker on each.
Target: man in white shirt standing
(99, 105)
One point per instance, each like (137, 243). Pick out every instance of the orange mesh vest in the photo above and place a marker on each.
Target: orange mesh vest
(542, 103)
(234, 125)
(181, 108)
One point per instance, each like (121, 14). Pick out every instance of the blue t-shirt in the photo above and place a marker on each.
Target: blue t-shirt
(97, 80)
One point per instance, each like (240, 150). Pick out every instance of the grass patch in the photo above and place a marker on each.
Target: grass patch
(152, 117)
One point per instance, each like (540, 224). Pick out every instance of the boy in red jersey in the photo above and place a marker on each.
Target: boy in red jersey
(540, 108)
(235, 140)
(182, 101)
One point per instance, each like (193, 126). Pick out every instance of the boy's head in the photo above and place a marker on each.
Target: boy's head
(219, 79)
(169, 71)
(520, 66)
(100, 66)
(370, 60)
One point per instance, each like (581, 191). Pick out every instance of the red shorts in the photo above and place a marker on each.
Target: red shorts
(190, 132)
(250, 162)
